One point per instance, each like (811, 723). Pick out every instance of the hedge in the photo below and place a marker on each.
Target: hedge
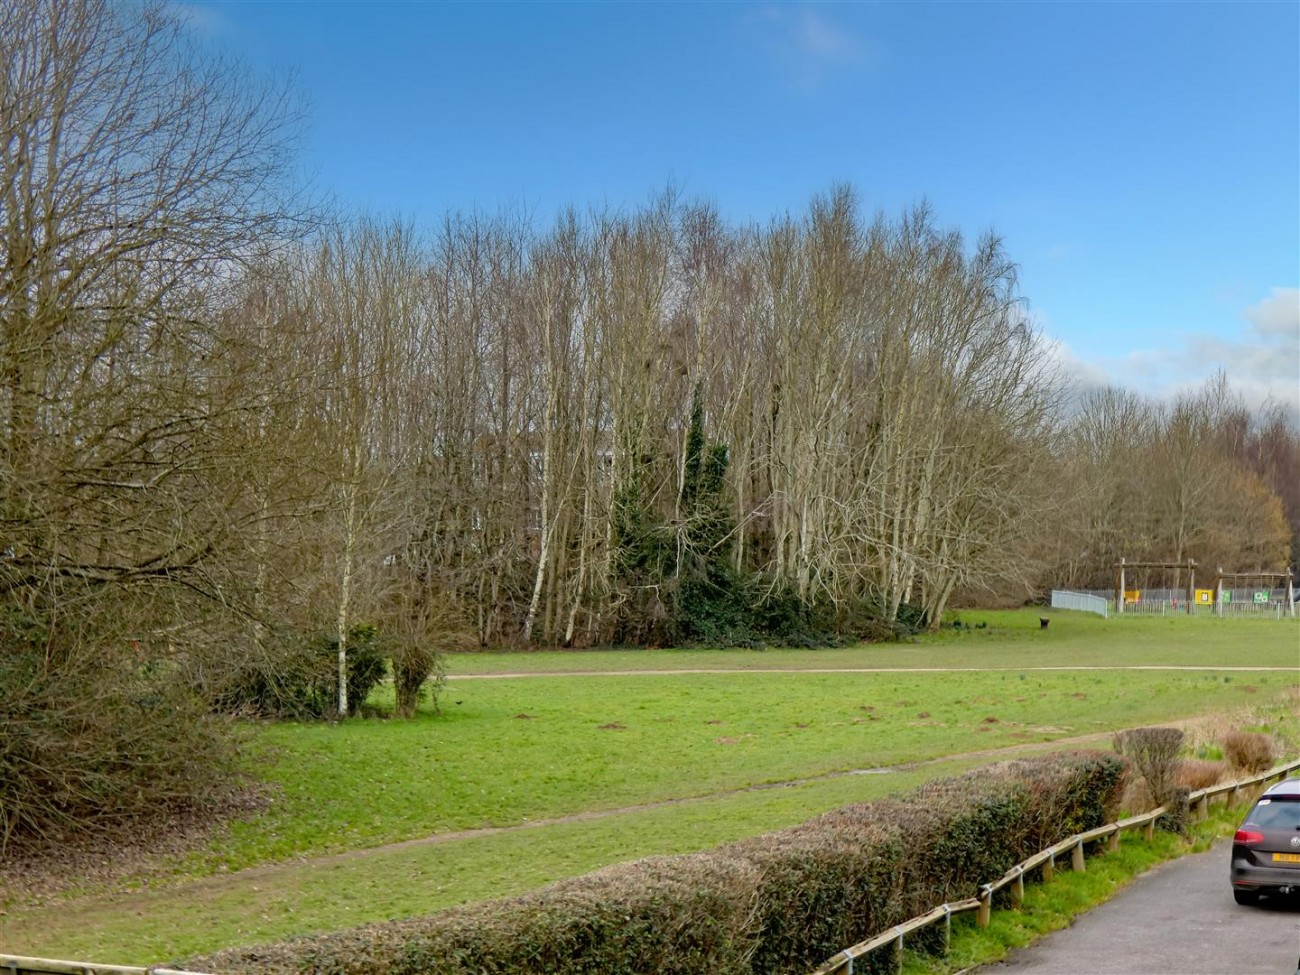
(853, 872)
(782, 902)
(677, 915)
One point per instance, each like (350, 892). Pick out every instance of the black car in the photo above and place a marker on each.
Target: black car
(1266, 849)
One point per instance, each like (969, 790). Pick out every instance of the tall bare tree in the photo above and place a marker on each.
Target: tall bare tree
(137, 174)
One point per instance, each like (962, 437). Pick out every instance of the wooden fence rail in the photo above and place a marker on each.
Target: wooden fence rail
(18, 965)
(1045, 862)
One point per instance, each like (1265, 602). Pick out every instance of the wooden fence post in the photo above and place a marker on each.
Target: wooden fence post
(1018, 888)
(1149, 831)
(1112, 842)
(1076, 858)
(1049, 868)
(986, 907)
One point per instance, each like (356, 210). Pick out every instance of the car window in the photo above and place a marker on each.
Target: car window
(1273, 814)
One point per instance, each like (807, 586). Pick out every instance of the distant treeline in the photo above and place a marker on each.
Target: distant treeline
(250, 452)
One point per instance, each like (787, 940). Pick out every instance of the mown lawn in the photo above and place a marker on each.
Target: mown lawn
(256, 906)
(986, 639)
(510, 751)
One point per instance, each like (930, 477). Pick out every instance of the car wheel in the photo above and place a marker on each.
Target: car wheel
(1247, 897)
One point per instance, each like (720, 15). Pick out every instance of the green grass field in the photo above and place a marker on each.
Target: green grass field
(525, 779)
(1007, 640)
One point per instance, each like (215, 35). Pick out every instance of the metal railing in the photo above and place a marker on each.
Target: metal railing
(1271, 604)
(1067, 599)
(1045, 860)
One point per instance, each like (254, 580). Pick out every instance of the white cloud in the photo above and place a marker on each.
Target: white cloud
(1086, 375)
(1278, 314)
(1078, 376)
(808, 46)
(1261, 360)
(819, 39)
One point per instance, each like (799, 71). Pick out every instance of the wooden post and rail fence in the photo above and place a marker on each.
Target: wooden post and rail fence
(842, 963)
(17, 965)
(1044, 861)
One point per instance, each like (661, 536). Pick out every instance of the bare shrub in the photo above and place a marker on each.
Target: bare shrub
(1249, 751)
(425, 623)
(1154, 753)
(1195, 774)
(90, 741)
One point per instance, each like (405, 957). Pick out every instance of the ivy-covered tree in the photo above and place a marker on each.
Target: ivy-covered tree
(710, 603)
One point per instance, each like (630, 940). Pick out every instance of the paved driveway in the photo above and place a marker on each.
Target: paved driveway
(1178, 919)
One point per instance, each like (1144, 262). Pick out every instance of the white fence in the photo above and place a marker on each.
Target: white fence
(1064, 599)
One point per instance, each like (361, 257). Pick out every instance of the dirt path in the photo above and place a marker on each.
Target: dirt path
(1005, 752)
(846, 670)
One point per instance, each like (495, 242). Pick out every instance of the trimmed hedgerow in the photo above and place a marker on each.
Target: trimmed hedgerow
(852, 872)
(677, 915)
(825, 885)
(783, 902)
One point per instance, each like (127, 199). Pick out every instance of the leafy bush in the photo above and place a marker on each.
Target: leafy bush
(825, 884)
(911, 620)
(783, 902)
(1249, 751)
(298, 678)
(1178, 810)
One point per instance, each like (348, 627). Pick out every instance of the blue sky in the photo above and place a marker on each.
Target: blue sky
(1141, 160)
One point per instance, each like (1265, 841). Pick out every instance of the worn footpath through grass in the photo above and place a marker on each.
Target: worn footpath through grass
(511, 751)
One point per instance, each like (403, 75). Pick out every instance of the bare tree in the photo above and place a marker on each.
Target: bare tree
(134, 176)
(137, 174)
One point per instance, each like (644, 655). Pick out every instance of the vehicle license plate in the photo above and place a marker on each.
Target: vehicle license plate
(1286, 857)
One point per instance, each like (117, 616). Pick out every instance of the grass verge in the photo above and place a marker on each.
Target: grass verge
(637, 765)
